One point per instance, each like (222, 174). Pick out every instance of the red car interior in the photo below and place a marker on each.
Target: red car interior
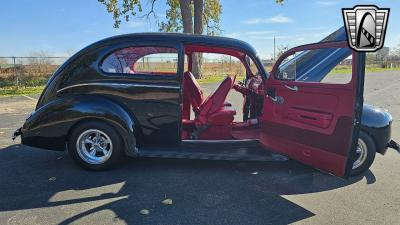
(189, 49)
(213, 116)
(153, 73)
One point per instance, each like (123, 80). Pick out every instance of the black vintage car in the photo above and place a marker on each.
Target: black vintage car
(103, 104)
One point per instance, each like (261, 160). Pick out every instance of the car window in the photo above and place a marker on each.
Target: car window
(142, 60)
(216, 64)
(328, 65)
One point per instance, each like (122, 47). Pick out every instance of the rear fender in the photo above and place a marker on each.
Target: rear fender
(50, 125)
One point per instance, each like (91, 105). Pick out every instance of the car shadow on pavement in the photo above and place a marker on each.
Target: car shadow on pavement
(203, 192)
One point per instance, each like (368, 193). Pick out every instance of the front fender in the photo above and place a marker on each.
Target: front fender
(49, 126)
(377, 123)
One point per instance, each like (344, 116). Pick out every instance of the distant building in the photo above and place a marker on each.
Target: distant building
(267, 62)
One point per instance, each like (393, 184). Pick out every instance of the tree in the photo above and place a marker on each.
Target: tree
(395, 51)
(206, 14)
(281, 49)
(179, 17)
(40, 58)
(124, 8)
(187, 16)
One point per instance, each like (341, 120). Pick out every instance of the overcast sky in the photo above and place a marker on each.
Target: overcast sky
(63, 27)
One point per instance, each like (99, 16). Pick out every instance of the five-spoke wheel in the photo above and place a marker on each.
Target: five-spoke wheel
(95, 145)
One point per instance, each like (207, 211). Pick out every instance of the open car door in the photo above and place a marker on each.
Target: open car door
(308, 119)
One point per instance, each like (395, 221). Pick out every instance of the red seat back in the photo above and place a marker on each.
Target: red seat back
(216, 101)
(192, 92)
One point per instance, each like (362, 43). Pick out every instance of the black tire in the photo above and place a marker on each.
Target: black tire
(107, 132)
(368, 142)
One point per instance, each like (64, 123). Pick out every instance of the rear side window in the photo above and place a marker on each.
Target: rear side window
(143, 60)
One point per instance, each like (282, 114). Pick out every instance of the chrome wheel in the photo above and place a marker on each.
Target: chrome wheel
(94, 146)
(361, 154)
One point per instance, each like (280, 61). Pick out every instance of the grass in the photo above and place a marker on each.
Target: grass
(13, 91)
(216, 79)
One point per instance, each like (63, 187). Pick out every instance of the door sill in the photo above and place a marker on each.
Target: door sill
(242, 150)
(221, 141)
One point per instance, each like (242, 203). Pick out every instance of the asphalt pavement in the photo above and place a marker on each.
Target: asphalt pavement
(45, 187)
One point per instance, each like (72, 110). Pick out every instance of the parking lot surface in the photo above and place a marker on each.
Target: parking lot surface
(46, 187)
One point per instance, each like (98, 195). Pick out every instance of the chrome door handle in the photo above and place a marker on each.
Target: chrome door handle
(294, 88)
(277, 99)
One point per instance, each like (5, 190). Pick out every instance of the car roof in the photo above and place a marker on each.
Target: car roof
(183, 38)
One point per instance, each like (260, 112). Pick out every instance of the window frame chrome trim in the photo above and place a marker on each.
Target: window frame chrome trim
(118, 84)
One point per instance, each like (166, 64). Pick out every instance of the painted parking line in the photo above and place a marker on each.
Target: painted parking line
(30, 98)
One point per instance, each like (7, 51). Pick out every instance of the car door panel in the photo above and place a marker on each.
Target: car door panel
(312, 122)
(310, 100)
(309, 117)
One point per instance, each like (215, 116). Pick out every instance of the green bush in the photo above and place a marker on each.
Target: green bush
(24, 81)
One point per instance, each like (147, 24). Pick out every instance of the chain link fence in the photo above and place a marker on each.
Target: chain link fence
(384, 64)
(27, 71)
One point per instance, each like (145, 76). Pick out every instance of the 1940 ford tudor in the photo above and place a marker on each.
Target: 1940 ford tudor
(103, 104)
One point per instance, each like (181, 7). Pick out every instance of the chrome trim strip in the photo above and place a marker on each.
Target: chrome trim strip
(220, 141)
(117, 84)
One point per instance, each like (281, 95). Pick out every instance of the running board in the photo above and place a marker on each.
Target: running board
(237, 151)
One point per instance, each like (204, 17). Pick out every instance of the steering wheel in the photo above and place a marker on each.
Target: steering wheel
(250, 90)
(254, 84)
(243, 82)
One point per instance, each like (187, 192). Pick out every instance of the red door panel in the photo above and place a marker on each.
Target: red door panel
(312, 122)
(310, 117)
(324, 100)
